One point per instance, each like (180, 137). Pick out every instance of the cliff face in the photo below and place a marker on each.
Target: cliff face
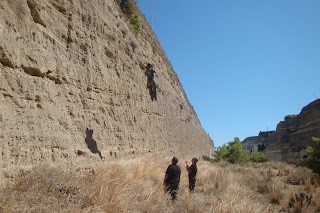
(72, 88)
(289, 142)
(250, 144)
(292, 136)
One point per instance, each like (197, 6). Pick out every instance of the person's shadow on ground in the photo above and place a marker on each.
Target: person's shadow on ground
(91, 143)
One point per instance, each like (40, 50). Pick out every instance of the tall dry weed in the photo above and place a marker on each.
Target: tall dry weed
(275, 194)
(138, 187)
(46, 187)
(301, 202)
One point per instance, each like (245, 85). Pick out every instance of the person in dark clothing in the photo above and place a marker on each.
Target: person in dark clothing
(192, 170)
(172, 178)
(151, 85)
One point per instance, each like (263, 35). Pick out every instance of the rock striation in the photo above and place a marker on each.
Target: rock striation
(73, 90)
(292, 136)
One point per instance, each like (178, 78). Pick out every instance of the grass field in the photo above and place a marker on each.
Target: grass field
(137, 187)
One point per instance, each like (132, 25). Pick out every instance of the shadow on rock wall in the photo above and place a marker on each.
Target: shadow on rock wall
(91, 143)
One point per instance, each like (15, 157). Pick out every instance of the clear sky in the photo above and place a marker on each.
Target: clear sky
(244, 64)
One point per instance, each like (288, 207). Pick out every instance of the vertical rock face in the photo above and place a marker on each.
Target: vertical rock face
(292, 136)
(250, 144)
(72, 87)
(289, 142)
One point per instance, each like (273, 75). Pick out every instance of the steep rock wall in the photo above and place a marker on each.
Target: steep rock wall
(250, 144)
(292, 136)
(73, 90)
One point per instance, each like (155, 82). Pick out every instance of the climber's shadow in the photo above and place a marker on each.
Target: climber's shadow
(91, 143)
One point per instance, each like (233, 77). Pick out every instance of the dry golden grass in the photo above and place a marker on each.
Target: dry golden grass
(275, 194)
(137, 187)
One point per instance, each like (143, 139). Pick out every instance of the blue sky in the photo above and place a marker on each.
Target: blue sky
(244, 64)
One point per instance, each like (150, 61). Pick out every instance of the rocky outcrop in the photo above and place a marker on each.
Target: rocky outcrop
(73, 88)
(292, 136)
(250, 144)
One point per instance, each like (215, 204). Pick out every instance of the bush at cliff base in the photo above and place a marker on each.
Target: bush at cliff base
(313, 159)
(258, 157)
(233, 152)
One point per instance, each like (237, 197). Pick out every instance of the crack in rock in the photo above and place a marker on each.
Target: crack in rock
(35, 13)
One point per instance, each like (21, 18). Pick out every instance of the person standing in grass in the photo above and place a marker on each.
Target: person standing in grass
(172, 178)
(192, 170)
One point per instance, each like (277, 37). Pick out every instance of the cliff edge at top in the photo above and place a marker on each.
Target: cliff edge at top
(72, 88)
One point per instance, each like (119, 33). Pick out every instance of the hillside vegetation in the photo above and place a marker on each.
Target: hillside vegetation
(137, 187)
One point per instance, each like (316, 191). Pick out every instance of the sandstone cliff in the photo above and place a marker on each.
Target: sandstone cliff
(72, 88)
(292, 136)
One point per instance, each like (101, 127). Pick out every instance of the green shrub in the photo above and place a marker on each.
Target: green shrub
(258, 157)
(136, 24)
(221, 153)
(154, 48)
(233, 152)
(206, 158)
(261, 147)
(313, 159)
(126, 6)
(287, 117)
(249, 182)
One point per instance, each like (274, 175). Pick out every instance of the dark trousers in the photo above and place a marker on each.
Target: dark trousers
(172, 189)
(152, 89)
(192, 184)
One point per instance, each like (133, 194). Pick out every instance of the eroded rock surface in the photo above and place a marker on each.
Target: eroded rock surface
(251, 144)
(73, 90)
(293, 136)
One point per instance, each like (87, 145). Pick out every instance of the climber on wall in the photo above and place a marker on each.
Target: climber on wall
(151, 85)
